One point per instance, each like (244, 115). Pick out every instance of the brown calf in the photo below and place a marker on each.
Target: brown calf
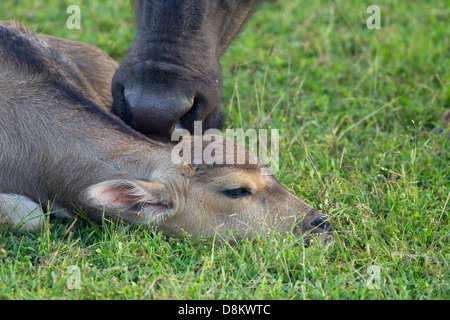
(59, 147)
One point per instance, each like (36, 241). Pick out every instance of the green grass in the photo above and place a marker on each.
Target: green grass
(356, 109)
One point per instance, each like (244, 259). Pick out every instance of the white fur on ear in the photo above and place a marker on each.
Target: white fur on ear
(21, 212)
(141, 202)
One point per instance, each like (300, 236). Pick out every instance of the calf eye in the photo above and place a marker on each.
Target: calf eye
(236, 193)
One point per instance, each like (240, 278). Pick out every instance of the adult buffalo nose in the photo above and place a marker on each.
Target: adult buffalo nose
(157, 110)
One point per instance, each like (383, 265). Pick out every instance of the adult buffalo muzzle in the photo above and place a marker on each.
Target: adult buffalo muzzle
(171, 75)
(157, 109)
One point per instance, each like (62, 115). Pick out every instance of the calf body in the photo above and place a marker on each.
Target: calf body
(60, 148)
(55, 140)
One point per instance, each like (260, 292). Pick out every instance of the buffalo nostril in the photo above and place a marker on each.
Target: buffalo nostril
(321, 222)
(156, 110)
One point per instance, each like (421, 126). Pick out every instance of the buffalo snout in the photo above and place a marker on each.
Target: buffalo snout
(156, 110)
(171, 75)
(156, 102)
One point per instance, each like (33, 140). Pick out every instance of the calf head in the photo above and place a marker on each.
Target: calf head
(204, 198)
(171, 75)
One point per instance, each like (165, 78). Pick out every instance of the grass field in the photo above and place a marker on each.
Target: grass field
(357, 110)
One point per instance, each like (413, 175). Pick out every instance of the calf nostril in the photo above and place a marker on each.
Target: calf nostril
(321, 222)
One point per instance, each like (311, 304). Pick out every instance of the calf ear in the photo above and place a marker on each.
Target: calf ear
(144, 201)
